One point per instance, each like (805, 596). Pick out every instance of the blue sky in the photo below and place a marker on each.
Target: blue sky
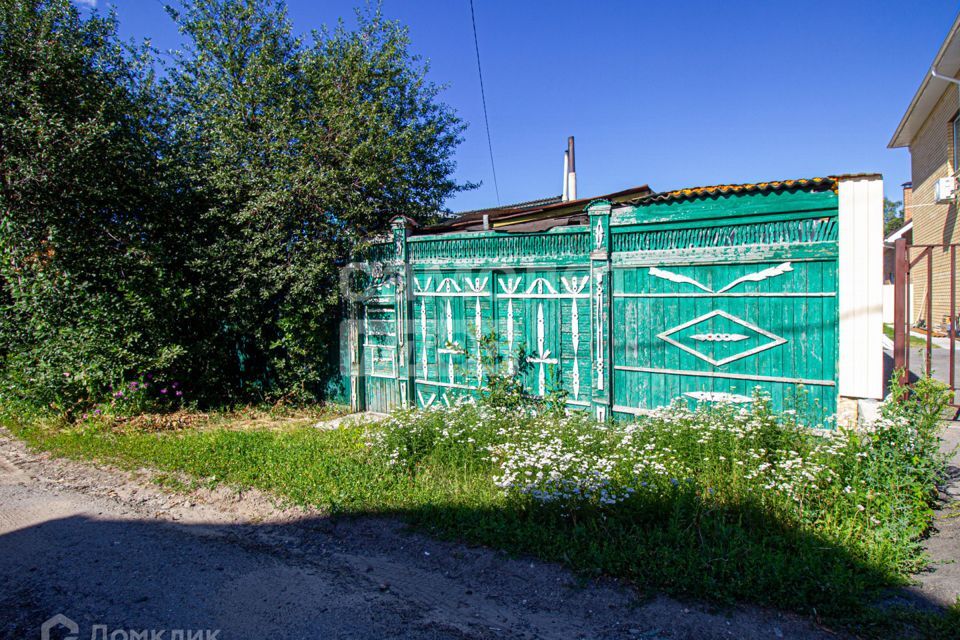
(670, 94)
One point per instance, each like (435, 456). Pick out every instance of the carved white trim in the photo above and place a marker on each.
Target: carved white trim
(423, 336)
(718, 396)
(575, 335)
(657, 272)
(449, 319)
(770, 272)
(419, 287)
(477, 318)
(574, 285)
(759, 276)
(718, 337)
(426, 402)
(401, 306)
(538, 285)
(775, 340)
(543, 356)
(510, 287)
(598, 234)
(448, 285)
(599, 316)
(477, 286)
(541, 288)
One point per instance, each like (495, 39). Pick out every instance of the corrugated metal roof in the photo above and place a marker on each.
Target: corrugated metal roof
(828, 183)
(540, 215)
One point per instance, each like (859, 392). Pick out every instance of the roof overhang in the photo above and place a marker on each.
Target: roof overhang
(946, 63)
(896, 235)
(531, 217)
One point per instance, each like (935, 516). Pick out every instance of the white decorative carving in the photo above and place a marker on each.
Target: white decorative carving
(448, 285)
(449, 317)
(542, 357)
(718, 337)
(759, 276)
(575, 320)
(575, 286)
(420, 288)
(425, 403)
(775, 340)
(510, 287)
(599, 315)
(541, 288)
(657, 272)
(477, 318)
(717, 396)
(598, 234)
(423, 336)
(401, 306)
(538, 285)
(477, 285)
(772, 272)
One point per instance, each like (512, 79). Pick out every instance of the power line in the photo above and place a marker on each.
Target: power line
(483, 98)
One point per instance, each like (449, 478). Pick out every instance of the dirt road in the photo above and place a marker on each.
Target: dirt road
(104, 547)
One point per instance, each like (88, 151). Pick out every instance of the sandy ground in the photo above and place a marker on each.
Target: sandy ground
(106, 547)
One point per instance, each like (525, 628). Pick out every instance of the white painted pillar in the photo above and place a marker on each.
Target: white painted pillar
(861, 287)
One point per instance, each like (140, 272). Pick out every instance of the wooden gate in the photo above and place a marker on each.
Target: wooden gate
(701, 296)
(710, 332)
(380, 357)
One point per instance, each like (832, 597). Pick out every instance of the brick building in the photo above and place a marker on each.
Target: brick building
(930, 128)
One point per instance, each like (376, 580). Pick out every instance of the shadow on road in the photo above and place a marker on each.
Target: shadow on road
(370, 577)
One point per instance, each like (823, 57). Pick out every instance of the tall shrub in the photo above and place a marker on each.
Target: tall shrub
(297, 151)
(85, 299)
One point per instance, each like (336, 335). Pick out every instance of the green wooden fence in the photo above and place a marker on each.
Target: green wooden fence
(703, 299)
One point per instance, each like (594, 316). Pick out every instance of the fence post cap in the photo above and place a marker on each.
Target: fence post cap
(599, 208)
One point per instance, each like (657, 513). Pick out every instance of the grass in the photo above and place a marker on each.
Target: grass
(684, 519)
(914, 340)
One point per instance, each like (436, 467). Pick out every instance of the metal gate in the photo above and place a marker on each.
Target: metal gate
(930, 264)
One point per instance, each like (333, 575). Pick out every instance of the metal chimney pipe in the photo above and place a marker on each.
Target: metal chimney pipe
(566, 171)
(572, 172)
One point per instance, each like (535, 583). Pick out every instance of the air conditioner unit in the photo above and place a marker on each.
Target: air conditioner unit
(944, 189)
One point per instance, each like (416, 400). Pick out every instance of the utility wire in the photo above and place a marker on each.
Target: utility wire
(483, 98)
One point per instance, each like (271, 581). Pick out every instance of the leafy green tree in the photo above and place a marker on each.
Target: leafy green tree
(194, 226)
(892, 216)
(85, 295)
(296, 152)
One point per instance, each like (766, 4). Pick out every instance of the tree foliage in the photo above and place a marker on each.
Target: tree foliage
(194, 225)
(892, 216)
(84, 292)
